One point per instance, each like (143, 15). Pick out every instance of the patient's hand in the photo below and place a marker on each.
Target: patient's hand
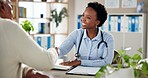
(71, 63)
(34, 74)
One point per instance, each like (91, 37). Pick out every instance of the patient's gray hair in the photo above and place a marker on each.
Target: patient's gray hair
(4, 1)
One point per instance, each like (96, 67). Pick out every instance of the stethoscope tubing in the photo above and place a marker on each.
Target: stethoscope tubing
(77, 55)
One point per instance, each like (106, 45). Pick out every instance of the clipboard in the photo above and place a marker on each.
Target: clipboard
(82, 70)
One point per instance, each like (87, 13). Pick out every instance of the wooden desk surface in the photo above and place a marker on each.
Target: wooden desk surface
(61, 74)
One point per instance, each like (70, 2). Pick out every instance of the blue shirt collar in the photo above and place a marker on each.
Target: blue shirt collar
(98, 37)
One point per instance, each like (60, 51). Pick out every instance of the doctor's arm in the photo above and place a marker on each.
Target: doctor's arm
(68, 44)
(98, 62)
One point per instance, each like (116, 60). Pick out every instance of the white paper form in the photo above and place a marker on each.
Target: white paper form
(81, 70)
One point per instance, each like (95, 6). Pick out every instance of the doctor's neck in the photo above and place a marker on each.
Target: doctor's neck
(91, 33)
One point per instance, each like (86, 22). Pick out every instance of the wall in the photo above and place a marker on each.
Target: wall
(71, 25)
(81, 4)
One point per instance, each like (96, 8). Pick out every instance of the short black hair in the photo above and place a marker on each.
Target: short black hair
(101, 11)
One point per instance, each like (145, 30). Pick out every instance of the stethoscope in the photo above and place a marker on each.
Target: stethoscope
(77, 55)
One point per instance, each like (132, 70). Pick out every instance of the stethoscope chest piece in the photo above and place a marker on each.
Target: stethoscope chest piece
(77, 55)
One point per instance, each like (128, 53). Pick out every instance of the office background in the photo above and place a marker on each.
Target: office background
(130, 39)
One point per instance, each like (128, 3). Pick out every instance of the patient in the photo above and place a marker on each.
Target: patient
(17, 48)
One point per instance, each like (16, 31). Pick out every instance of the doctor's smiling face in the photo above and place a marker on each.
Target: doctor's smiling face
(89, 19)
(94, 16)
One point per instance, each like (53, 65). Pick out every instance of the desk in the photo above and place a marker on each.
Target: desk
(122, 73)
(61, 74)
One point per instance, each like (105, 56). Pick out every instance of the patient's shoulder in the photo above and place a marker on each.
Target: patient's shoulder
(9, 23)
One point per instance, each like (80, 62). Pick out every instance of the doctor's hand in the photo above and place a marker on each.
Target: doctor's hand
(35, 74)
(71, 63)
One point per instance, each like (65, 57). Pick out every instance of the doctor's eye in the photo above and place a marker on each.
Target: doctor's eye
(88, 18)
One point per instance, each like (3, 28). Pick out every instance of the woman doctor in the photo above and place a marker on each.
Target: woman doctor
(94, 47)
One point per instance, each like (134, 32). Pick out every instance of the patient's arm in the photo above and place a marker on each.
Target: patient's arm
(29, 72)
(35, 74)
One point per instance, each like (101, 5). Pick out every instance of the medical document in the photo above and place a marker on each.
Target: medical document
(81, 70)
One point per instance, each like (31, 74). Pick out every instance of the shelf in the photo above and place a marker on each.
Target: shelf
(45, 2)
(33, 18)
(51, 34)
(126, 13)
(124, 22)
(58, 2)
(39, 13)
(128, 30)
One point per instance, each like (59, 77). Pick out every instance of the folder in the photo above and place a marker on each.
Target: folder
(44, 40)
(119, 23)
(133, 24)
(82, 70)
